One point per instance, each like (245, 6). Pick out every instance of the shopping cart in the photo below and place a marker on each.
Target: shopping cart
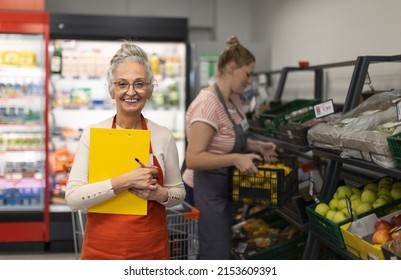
(182, 225)
(78, 228)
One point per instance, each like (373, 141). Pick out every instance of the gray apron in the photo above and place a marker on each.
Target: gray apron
(212, 194)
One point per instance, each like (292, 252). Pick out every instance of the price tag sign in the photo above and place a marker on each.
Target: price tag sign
(324, 109)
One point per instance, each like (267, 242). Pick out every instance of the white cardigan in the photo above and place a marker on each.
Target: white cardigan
(164, 148)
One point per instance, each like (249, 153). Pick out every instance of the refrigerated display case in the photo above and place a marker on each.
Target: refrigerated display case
(24, 208)
(80, 50)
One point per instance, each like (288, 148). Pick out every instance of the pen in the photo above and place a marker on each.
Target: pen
(140, 163)
(143, 165)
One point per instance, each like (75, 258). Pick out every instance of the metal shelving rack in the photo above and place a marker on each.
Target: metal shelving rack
(335, 166)
(335, 162)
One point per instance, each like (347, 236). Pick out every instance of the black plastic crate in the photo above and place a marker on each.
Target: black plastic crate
(273, 185)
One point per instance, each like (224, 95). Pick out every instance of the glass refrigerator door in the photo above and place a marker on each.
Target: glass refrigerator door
(79, 96)
(22, 124)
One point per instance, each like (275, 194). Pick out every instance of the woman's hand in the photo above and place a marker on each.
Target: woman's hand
(156, 193)
(245, 163)
(268, 150)
(141, 178)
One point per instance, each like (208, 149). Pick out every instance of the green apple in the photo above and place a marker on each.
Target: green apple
(322, 209)
(368, 196)
(364, 207)
(386, 197)
(383, 191)
(339, 217)
(383, 187)
(385, 181)
(345, 210)
(355, 196)
(355, 203)
(371, 186)
(342, 203)
(356, 191)
(396, 184)
(335, 195)
(343, 192)
(333, 204)
(330, 214)
(395, 193)
(379, 202)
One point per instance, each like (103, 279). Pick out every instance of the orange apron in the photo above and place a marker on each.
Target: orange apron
(128, 237)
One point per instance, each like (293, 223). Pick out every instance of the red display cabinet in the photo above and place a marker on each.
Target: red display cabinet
(24, 194)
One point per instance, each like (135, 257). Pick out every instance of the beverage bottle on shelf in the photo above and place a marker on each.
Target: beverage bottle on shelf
(56, 59)
(155, 63)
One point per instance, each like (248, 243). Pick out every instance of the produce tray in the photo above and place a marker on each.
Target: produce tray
(270, 186)
(290, 250)
(282, 247)
(394, 144)
(296, 111)
(358, 239)
(324, 227)
(330, 230)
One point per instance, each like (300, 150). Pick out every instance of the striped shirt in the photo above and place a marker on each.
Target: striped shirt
(207, 108)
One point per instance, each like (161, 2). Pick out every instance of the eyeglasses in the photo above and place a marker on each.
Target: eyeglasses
(138, 86)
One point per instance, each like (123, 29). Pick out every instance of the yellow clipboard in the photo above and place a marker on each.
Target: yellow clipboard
(112, 152)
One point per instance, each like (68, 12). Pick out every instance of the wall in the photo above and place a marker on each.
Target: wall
(320, 31)
(209, 20)
(325, 31)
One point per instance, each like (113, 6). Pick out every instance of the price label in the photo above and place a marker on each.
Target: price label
(324, 109)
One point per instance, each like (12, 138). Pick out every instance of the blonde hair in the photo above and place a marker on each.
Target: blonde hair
(236, 52)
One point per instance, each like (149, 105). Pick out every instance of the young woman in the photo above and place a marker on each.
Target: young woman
(217, 141)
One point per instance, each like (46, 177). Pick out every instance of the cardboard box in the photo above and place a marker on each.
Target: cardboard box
(358, 237)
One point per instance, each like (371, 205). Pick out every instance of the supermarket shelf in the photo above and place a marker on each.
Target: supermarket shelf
(59, 208)
(332, 155)
(295, 149)
(290, 217)
(311, 254)
(19, 208)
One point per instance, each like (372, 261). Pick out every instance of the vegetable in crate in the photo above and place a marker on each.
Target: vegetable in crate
(259, 237)
(263, 186)
(262, 178)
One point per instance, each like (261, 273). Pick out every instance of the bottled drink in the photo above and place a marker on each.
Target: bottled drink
(56, 59)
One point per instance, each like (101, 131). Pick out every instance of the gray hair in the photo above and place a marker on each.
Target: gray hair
(129, 51)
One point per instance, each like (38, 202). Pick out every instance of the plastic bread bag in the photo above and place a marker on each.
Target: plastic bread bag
(366, 137)
(371, 146)
(372, 120)
(377, 102)
(326, 134)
